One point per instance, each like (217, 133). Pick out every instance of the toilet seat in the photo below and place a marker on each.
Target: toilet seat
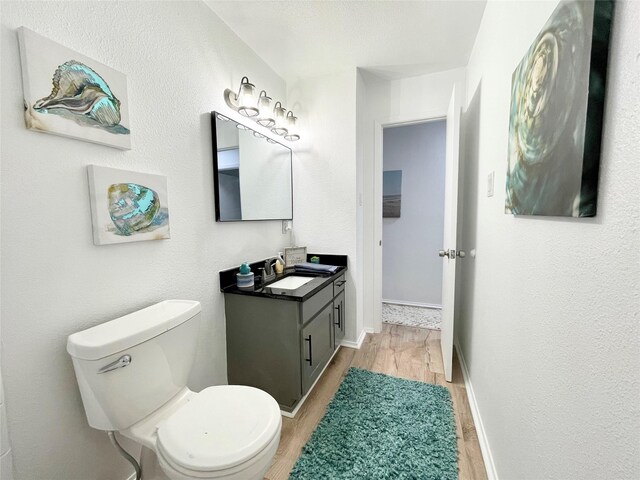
(220, 429)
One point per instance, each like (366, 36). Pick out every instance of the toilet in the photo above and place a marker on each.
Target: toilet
(132, 374)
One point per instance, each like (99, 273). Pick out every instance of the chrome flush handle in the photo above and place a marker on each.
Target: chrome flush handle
(123, 361)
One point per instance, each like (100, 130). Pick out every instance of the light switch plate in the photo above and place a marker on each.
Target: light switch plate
(490, 182)
(286, 226)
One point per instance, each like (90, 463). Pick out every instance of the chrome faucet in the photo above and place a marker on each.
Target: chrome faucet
(268, 272)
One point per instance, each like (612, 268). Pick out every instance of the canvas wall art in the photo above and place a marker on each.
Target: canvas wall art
(557, 105)
(391, 193)
(68, 94)
(127, 206)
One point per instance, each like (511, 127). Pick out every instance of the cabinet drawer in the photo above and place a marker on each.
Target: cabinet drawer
(316, 303)
(339, 284)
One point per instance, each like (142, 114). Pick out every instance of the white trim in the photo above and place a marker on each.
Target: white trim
(413, 304)
(132, 476)
(295, 410)
(357, 344)
(489, 465)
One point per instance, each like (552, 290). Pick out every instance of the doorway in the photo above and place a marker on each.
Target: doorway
(414, 159)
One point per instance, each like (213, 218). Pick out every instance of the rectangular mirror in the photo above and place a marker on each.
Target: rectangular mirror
(252, 174)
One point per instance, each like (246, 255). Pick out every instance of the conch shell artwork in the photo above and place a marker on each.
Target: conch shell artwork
(83, 96)
(557, 105)
(71, 95)
(127, 206)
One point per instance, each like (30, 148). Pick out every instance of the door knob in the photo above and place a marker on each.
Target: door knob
(452, 253)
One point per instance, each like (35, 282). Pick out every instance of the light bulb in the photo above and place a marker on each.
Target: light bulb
(280, 126)
(247, 99)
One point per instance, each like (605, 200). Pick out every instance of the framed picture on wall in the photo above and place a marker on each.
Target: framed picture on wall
(557, 106)
(69, 94)
(391, 193)
(127, 206)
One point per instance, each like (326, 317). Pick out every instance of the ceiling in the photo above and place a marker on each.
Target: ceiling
(393, 38)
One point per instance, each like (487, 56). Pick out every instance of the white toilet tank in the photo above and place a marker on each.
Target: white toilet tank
(129, 367)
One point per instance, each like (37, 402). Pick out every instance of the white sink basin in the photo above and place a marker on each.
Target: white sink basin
(290, 283)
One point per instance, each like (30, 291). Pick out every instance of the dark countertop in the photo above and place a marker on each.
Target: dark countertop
(228, 285)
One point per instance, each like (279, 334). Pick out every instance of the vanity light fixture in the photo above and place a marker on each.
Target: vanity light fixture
(280, 113)
(245, 100)
(265, 117)
(276, 119)
(292, 131)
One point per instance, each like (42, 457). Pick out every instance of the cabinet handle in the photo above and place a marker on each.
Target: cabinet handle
(339, 317)
(310, 359)
(340, 283)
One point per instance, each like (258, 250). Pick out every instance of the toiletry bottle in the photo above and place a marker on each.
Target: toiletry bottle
(279, 263)
(245, 278)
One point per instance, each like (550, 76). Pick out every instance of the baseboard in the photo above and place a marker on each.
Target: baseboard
(477, 420)
(357, 344)
(413, 304)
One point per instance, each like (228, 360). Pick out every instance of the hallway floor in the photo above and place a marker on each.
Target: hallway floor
(411, 316)
(406, 352)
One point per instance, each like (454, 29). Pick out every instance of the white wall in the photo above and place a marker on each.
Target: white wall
(178, 58)
(324, 171)
(549, 327)
(373, 104)
(412, 270)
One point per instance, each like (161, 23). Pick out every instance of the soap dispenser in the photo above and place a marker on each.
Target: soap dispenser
(279, 263)
(244, 279)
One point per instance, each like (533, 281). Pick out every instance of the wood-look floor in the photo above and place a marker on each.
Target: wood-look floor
(406, 352)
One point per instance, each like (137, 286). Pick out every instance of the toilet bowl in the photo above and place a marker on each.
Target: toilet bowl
(132, 375)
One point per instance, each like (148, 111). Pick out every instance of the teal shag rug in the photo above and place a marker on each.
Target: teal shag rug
(382, 427)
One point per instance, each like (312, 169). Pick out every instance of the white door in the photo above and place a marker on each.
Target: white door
(449, 252)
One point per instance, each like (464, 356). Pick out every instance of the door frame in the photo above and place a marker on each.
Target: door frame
(375, 236)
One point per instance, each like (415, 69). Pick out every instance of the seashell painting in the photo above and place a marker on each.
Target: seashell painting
(127, 206)
(68, 94)
(557, 106)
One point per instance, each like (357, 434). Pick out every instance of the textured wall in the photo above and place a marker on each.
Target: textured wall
(324, 170)
(412, 270)
(549, 324)
(178, 57)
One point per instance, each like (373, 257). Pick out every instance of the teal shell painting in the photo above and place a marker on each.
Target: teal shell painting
(557, 105)
(71, 95)
(127, 206)
(135, 208)
(83, 96)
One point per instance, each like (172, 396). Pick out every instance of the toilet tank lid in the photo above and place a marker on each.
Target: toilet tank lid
(130, 330)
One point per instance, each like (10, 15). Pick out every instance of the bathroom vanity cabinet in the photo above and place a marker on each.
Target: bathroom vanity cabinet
(281, 344)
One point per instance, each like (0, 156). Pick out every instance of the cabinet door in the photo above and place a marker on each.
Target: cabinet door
(339, 317)
(316, 346)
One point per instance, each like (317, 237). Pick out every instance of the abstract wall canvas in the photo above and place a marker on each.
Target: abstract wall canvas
(391, 193)
(68, 94)
(557, 105)
(127, 206)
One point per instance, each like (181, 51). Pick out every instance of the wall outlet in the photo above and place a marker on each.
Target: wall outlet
(287, 226)
(490, 182)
